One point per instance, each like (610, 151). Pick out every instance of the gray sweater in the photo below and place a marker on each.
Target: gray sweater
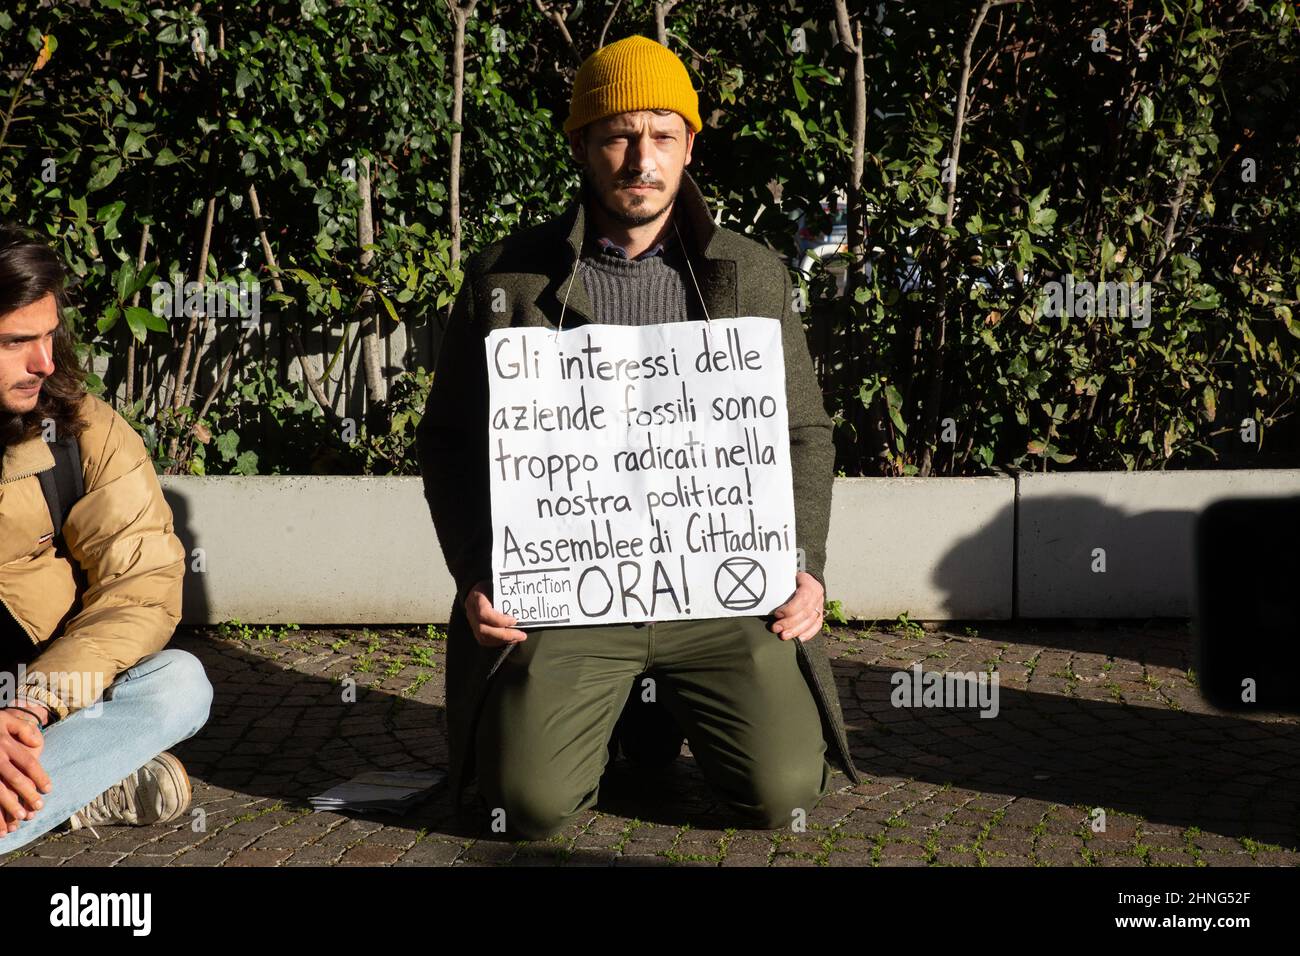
(656, 288)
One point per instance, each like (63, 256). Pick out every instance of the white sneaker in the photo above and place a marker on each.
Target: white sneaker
(159, 792)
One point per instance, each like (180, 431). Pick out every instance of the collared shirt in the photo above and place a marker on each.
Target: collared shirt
(610, 248)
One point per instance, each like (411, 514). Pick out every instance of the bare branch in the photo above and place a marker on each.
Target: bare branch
(662, 9)
(556, 17)
(375, 384)
(135, 302)
(842, 28)
(608, 20)
(295, 340)
(934, 393)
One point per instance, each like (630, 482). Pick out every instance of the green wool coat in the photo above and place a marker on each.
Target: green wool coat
(521, 281)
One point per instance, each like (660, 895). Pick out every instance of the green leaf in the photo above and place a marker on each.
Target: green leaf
(109, 319)
(137, 320)
(228, 444)
(796, 121)
(109, 215)
(104, 175)
(1146, 111)
(172, 34)
(1040, 218)
(143, 278)
(1107, 254)
(895, 402)
(801, 94)
(122, 282)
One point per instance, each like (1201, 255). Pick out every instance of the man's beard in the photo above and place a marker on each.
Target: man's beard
(623, 218)
(13, 425)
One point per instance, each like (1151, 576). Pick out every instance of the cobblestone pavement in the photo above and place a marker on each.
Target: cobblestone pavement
(1092, 715)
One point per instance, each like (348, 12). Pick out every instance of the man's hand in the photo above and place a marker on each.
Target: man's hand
(22, 778)
(491, 628)
(801, 616)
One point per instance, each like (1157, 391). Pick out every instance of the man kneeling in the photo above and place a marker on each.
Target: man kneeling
(90, 587)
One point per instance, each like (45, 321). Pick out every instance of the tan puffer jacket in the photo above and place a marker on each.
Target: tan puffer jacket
(124, 602)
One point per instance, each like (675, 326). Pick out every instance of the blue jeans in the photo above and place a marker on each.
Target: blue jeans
(150, 707)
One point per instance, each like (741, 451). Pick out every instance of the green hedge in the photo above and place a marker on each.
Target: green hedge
(1102, 141)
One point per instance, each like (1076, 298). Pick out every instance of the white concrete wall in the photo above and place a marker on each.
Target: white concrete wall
(936, 548)
(1141, 523)
(310, 550)
(355, 550)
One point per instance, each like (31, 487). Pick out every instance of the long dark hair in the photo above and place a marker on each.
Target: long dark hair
(30, 269)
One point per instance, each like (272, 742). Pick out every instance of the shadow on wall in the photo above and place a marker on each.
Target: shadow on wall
(1061, 544)
(194, 590)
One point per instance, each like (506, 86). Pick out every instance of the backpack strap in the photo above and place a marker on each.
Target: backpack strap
(64, 485)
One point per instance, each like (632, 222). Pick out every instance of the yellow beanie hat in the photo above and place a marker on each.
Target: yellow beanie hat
(635, 73)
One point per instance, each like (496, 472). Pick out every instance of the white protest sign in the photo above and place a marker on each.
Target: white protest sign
(640, 472)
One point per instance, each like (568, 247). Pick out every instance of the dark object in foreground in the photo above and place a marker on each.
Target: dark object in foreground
(1247, 613)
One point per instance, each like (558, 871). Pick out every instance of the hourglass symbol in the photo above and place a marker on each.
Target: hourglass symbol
(737, 588)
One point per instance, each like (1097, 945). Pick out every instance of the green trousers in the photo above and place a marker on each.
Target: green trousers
(733, 687)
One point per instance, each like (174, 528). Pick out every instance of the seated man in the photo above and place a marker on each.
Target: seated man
(90, 587)
(534, 715)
